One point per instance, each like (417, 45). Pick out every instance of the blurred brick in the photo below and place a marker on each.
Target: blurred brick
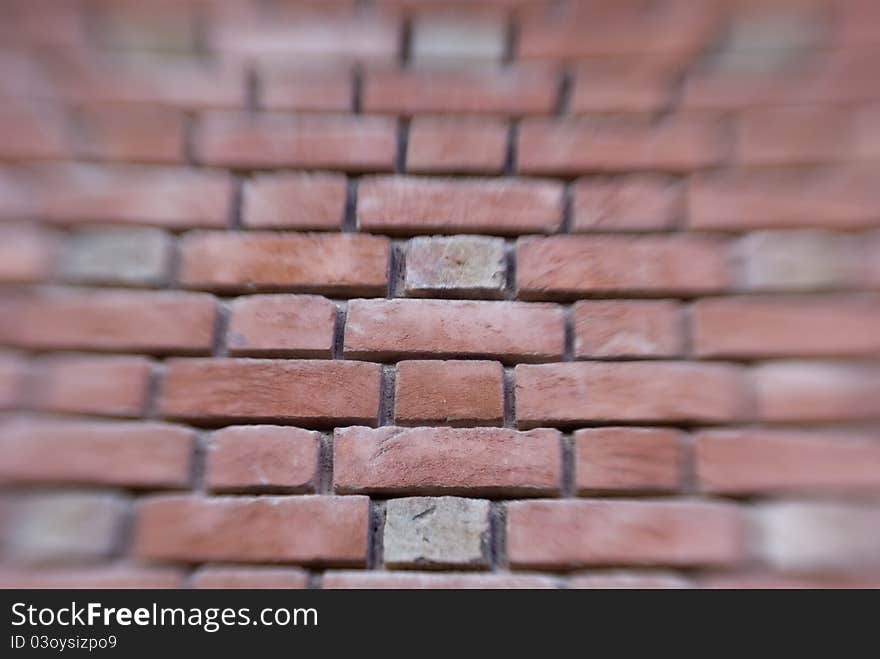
(465, 145)
(281, 325)
(618, 328)
(792, 580)
(262, 458)
(452, 38)
(432, 580)
(26, 254)
(13, 370)
(130, 133)
(637, 202)
(476, 461)
(223, 577)
(113, 577)
(300, 89)
(33, 131)
(457, 266)
(628, 460)
(436, 531)
(629, 580)
(163, 25)
(134, 257)
(294, 201)
(618, 86)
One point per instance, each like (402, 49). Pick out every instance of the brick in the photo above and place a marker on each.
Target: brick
(127, 257)
(63, 526)
(815, 535)
(628, 460)
(433, 461)
(421, 205)
(13, 371)
(306, 89)
(137, 134)
(568, 266)
(352, 143)
(26, 254)
(322, 530)
(779, 461)
(553, 394)
(225, 577)
(463, 145)
(816, 391)
(125, 24)
(452, 38)
(127, 454)
(512, 92)
(791, 581)
(347, 579)
(509, 331)
(297, 391)
(636, 202)
(569, 534)
(580, 146)
(161, 322)
(262, 459)
(294, 201)
(110, 577)
(622, 86)
(436, 531)
(629, 580)
(33, 131)
(456, 393)
(77, 384)
(617, 328)
(281, 325)
(840, 198)
(321, 263)
(779, 326)
(455, 266)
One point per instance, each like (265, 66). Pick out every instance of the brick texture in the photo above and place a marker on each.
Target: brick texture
(628, 460)
(294, 201)
(281, 325)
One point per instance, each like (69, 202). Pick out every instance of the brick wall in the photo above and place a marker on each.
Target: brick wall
(387, 293)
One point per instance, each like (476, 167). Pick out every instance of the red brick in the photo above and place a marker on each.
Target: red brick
(294, 201)
(618, 328)
(114, 386)
(309, 392)
(456, 393)
(816, 391)
(347, 579)
(113, 576)
(456, 145)
(780, 326)
(162, 322)
(281, 325)
(575, 533)
(577, 266)
(353, 143)
(137, 133)
(323, 530)
(754, 461)
(628, 459)
(552, 394)
(792, 581)
(262, 459)
(845, 197)
(319, 89)
(25, 254)
(33, 131)
(127, 454)
(512, 92)
(629, 580)
(321, 263)
(640, 86)
(13, 371)
(580, 146)
(423, 205)
(637, 202)
(465, 461)
(225, 577)
(509, 331)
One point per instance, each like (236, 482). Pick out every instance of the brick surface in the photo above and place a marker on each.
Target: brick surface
(322, 530)
(26, 254)
(567, 534)
(628, 459)
(420, 205)
(262, 459)
(281, 325)
(221, 577)
(113, 577)
(443, 145)
(134, 257)
(294, 201)
(453, 38)
(331, 263)
(140, 134)
(552, 394)
(636, 202)
(616, 328)
(476, 461)
(764, 580)
(300, 391)
(305, 89)
(455, 266)
(509, 331)
(13, 373)
(629, 580)
(340, 579)
(624, 87)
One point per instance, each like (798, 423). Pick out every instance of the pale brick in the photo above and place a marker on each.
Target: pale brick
(457, 266)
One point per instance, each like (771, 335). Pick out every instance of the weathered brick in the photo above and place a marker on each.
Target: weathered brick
(421, 205)
(455, 266)
(509, 331)
(324, 530)
(779, 326)
(373, 580)
(451, 38)
(464, 145)
(755, 461)
(26, 254)
(128, 454)
(456, 393)
(262, 458)
(629, 580)
(225, 577)
(133, 257)
(628, 459)
(325, 263)
(137, 134)
(466, 461)
(353, 143)
(306, 88)
(568, 266)
(636, 202)
(110, 577)
(552, 394)
(301, 391)
(568, 534)
(294, 201)
(281, 325)
(618, 328)
(436, 531)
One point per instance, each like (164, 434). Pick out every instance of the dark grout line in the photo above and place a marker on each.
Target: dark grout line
(568, 486)
(386, 395)
(235, 221)
(510, 156)
(198, 466)
(324, 480)
(338, 348)
(563, 100)
(357, 89)
(498, 535)
(349, 213)
(509, 393)
(221, 324)
(375, 544)
(402, 145)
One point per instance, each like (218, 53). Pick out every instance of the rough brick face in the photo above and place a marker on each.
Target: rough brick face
(456, 145)
(638, 202)
(25, 254)
(345, 579)
(615, 328)
(140, 134)
(135, 257)
(294, 201)
(281, 325)
(628, 460)
(222, 577)
(455, 266)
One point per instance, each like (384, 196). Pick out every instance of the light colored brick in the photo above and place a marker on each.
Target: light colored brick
(618, 328)
(628, 459)
(455, 266)
(438, 37)
(373, 580)
(134, 257)
(294, 201)
(281, 325)
(629, 580)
